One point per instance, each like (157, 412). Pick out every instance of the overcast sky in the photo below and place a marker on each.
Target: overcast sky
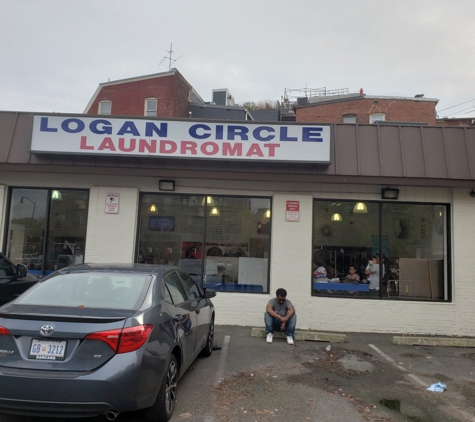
(54, 53)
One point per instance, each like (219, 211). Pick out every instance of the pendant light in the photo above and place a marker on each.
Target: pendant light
(360, 208)
(336, 217)
(56, 195)
(209, 201)
(267, 213)
(214, 212)
(152, 208)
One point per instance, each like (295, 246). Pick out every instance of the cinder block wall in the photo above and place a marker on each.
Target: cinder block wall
(396, 110)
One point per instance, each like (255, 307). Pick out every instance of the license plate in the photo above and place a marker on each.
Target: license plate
(47, 349)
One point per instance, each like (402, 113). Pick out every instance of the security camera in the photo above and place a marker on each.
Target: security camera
(472, 194)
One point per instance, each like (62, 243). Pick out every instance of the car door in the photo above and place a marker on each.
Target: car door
(11, 285)
(200, 307)
(180, 309)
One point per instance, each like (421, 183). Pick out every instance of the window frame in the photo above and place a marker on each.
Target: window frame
(147, 111)
(448, 268)
(350, 115)
(100, 106)
(375, 117)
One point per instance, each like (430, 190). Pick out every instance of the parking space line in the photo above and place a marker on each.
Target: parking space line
(219, 373)
(222, 359)
(415, 378)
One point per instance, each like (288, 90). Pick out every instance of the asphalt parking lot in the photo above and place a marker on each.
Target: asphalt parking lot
(367, 378)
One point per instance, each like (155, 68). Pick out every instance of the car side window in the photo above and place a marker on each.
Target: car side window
(175, 289)
(6, 269)
(190, 286)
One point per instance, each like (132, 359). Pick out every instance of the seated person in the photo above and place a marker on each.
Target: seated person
(320, 275)
(280, 316)
(352, 276)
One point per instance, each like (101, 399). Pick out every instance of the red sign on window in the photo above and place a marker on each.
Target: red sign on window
(292, 211)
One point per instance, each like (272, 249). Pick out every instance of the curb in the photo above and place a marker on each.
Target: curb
(434, 341)
(303, 335)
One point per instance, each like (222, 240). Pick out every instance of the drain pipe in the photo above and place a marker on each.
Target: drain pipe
(112, 414)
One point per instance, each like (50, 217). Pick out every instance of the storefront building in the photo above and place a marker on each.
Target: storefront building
(247, 208)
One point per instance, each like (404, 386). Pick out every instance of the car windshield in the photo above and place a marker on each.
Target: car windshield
(89, 290)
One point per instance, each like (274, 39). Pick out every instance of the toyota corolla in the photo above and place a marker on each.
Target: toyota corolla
(102, 339)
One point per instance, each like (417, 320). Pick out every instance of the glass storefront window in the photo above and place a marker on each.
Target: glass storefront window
(220, 241)
(381, 250)
(43, 221)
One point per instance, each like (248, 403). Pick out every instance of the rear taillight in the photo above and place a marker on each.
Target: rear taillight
(4, 331)
(125, 340)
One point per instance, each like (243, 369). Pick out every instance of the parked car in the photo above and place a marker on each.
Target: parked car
(96, 339)
(14, 279)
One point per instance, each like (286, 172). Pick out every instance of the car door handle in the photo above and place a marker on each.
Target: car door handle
(197, 311)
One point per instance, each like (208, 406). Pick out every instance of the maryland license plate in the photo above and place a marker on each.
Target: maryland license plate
(47, 349)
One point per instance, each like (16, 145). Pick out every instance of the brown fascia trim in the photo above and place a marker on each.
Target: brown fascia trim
(242, 176)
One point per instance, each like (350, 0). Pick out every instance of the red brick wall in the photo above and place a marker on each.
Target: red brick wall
(128, 98)
(396, 110)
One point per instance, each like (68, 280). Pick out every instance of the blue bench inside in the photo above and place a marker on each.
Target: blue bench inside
(233, 287)
(341, 286)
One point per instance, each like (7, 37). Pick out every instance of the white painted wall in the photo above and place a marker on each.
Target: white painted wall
(110, 238)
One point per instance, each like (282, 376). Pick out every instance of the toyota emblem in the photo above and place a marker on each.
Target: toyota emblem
(46, 330)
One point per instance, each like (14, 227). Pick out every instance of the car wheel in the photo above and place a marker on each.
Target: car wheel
(208, 349)
(164, 405)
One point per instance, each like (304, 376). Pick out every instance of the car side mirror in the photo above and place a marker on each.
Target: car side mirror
(21, 270)
(209, 293)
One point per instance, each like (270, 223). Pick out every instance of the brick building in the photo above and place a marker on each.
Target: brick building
(166, 94)
(363, 109)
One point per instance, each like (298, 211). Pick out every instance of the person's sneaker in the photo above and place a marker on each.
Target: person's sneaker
(290, 340)
(269, 338)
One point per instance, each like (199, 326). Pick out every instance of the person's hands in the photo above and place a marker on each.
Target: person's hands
(282, 326)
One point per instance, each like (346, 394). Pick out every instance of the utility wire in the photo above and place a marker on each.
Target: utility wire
(456, 105)
(460, 111)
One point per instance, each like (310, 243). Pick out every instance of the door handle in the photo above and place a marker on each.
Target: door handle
(197, 311)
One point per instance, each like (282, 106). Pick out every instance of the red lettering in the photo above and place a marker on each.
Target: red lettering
(230, 149)
(150, 147)
(255, 149)
(214, 148)
(131, 146)
(107, 143)
(188, 146)
(83, 143)
(167, 147)
(272, 148)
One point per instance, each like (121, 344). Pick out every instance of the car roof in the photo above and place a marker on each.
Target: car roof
(146, 269)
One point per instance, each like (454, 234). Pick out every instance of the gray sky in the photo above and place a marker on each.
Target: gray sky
(54, 53)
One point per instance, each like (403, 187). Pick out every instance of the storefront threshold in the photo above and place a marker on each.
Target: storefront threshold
(303, 335)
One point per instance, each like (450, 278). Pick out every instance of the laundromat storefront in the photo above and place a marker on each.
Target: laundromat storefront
(223, 212)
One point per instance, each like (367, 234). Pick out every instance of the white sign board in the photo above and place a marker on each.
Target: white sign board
(181, 139)
(112, 203)
(292, 211)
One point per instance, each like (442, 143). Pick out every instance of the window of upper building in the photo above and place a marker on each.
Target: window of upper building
(350, 118)
(151, 107)
(377, 117)
(105, 107)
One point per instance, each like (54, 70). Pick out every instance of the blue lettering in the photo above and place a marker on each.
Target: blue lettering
(284, 135)
(128, 127)
(194, 134)
(79, 125)
(104, 130)
(240, 131)
(257, 133)
(44, 126)
(312, 134)
(219, 132)
(150, 128)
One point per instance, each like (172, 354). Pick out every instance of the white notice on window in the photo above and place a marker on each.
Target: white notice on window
(112, 203)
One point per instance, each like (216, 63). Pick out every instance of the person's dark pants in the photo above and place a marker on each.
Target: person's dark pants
(273, 324)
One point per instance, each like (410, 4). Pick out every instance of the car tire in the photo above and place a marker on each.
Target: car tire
(208, 349)
(164, 405)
